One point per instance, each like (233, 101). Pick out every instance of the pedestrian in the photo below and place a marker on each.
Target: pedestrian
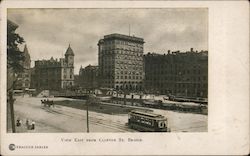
(33, 125)
(28, 124)
(18, 122)
(53, 103)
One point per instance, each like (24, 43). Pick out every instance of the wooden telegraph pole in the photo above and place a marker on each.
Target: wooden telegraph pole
(91, 99)
(88, 114)
(12, 116)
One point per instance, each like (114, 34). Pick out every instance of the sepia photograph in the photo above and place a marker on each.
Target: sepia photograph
(107, 70)
(124, 77)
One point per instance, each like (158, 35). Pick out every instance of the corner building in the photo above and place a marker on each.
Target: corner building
(120, 59)
(55, 74)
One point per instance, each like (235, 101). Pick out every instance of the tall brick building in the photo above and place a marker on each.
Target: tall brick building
(55, 74)
(177, 73)
(120, 59)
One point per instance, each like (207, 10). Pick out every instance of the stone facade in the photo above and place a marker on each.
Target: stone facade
(120, 59)
(55, 74)
(177, 73)
(32, 78)
(88, 77)
(24, 77)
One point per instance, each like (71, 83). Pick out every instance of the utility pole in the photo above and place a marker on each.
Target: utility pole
(12, 116)
(88, 116)
(91, 99)
(129, 30)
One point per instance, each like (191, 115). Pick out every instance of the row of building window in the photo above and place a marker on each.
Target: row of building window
(183, 72)
(67, 83)
(65, 70)
(173, 64)
(107, 68)
(131, 63)
(157, 78)
(105, 72)
(121, 47)
(120, 57)
(121, 54)
(129, 67)
(127, 87)
(128, 82)
(163, 85)
(70, 76)
(129, 77)
(121, 82)
(132, 44)
(130, 57)
(128, 72)
(132, 52)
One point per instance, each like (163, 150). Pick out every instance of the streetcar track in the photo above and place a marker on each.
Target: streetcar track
(114, 125)
(117, 125)
(109, 123)
(93, 120)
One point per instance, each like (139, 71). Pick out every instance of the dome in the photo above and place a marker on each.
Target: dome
(69, 51)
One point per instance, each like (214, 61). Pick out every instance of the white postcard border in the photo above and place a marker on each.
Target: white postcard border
(228, 117)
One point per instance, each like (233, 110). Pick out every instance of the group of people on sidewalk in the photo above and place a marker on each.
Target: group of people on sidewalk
(30, 125)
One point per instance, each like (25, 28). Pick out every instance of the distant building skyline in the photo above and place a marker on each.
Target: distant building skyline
(48, 32)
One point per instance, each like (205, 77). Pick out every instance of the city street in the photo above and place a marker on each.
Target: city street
(66, 119)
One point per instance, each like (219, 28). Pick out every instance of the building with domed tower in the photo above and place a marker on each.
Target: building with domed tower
(55, 74)
(68, 69)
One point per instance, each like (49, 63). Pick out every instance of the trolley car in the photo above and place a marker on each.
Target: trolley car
(146, 121)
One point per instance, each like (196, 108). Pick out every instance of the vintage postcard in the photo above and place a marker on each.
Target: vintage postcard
(124, 78)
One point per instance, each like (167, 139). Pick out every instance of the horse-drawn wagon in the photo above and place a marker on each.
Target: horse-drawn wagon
(47, 103)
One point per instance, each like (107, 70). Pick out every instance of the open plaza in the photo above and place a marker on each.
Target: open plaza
(102, 118)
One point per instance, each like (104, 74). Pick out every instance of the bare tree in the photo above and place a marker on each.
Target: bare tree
(14, 65)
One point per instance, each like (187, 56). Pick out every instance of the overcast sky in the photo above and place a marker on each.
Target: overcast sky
(48, 32)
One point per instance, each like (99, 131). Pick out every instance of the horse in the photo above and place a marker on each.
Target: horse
(47, 103)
